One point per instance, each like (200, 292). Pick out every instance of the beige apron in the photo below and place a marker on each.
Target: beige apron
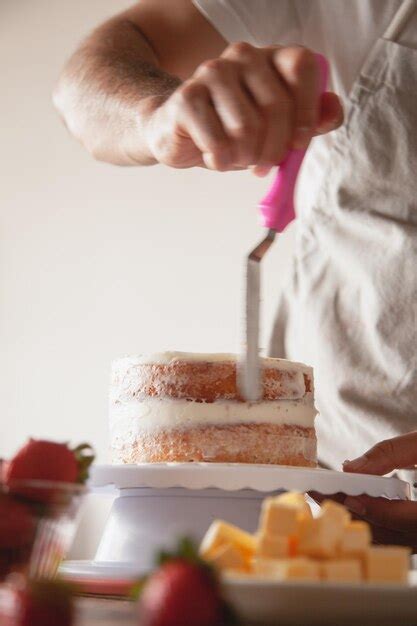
(350, 309)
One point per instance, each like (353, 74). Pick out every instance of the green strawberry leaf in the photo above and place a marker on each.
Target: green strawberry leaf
(137, 588)
(85, 455)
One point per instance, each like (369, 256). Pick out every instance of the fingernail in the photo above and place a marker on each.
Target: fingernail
(356, 464)
(261, 170)
(355, 506)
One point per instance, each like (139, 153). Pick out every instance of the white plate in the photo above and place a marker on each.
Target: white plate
(235, 476)
(291, 604)
(301, 604)
(100, 570)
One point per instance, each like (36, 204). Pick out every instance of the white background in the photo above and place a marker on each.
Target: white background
(98, 261)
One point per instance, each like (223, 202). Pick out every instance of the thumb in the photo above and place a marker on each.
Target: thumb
(386, 456)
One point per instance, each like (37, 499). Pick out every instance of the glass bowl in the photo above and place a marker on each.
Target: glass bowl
(38, 520)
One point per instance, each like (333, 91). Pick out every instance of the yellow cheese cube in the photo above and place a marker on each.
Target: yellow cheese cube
(272, 546)
(343, 570)
(295, 500)
(298, 568)
(280, 515)
(335, 511)
(387, 564)
(221, 533)
(321, 536)
(356, 539)
(228, 557)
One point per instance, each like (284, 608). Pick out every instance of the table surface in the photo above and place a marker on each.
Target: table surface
(114, 612)
(105, 612)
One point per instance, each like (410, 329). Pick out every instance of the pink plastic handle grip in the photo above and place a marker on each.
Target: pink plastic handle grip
(277, 207)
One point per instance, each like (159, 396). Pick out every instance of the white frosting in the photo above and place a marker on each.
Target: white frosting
(164, 358)
(128, 420)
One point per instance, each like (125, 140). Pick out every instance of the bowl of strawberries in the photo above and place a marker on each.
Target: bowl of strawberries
(41, 491)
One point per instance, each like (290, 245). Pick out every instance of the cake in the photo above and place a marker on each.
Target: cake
(183, 407)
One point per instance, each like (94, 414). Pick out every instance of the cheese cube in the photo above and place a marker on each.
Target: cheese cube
(355, 539)
(298, 568)
(387, 564)
(321, 536)
(295, 500)
(228, 557)
(343, 570)
(221, 533)
(272, 546)
(280, 515)
(335, 511)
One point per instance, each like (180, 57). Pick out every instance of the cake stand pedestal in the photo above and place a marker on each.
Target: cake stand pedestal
(158, 503)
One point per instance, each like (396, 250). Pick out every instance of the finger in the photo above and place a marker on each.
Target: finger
(390, 454)
(202, 124)
(299, 69)
(386, 536)
(400, 515)
(238, 114)
(330, 113)
(320, 497)
(273, 100)
(261, 170)
(276, 106)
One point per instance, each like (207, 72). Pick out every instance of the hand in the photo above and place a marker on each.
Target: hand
(393, 521)
(244, 109)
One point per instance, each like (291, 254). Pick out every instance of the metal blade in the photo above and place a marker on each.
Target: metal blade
(249, 375)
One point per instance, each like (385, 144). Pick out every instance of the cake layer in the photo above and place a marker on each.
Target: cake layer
(239, 443)
(131, 419)
(202, 377)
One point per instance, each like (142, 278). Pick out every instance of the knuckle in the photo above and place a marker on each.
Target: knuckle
(213, 67)
(302, 60)
(190, 91)
(246, 127)
(275, 103)
(241, 50)
(218, 145)
(386, 448)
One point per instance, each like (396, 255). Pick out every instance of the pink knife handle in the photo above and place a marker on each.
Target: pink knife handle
(277, 207)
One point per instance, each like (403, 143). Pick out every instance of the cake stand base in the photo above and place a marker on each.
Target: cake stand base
(143, 520)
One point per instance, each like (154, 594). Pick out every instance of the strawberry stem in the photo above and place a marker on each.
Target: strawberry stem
(84, 454)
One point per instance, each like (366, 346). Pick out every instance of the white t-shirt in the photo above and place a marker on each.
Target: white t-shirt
(343, 30)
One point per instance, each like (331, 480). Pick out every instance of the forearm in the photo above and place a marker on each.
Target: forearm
(108, 90)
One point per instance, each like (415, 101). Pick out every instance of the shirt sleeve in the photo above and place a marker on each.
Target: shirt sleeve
(259, 22)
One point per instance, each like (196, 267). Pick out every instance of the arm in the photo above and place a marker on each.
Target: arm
(142, 89)
(125, 69)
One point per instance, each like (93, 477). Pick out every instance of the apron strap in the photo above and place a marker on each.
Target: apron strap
(400, 19)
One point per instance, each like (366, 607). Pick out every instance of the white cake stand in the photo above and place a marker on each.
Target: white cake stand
(157, 503)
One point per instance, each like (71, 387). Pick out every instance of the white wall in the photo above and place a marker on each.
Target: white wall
(98, 261)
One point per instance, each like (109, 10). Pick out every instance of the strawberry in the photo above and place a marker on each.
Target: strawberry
(44, 603)
(184, 591)
(47, 460)
(180, 594)
(17, 532)
(17, 525)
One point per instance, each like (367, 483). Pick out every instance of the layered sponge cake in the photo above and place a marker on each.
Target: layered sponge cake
(182, 407)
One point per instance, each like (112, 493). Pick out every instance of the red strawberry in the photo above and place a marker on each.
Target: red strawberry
(17, 532)
(50, 461)
(180, 593)
(17, 525)
(44, 603)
